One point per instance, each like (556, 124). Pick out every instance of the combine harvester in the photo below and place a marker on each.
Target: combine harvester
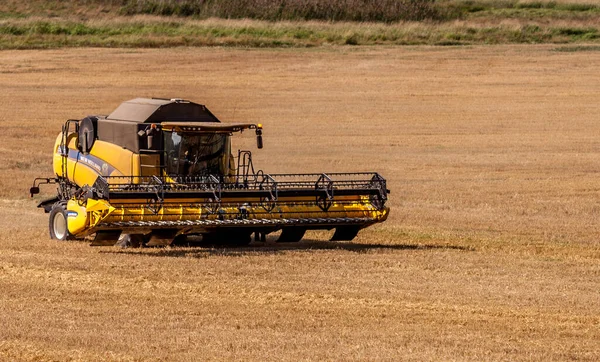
(157, 170)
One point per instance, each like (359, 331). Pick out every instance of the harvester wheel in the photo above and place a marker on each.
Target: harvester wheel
(292, 234)
(132, 240)
(58, 223)
(228, 238)
(179, 240)
(345, 233)
(239, 240)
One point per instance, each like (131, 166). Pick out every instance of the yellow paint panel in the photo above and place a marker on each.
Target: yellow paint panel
(116, 156)
(104, 159)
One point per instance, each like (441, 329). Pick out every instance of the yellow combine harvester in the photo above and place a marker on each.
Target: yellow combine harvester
(156, 170)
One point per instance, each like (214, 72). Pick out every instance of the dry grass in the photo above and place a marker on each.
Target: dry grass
(491, 251)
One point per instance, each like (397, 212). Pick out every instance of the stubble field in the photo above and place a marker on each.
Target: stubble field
(491, 251)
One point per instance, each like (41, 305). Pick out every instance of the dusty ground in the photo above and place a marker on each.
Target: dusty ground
(491, 251)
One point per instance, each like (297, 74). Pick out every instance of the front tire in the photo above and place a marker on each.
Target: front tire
(58, 223)
(228, 238)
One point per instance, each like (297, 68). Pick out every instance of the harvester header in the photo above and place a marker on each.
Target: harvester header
(157, 170)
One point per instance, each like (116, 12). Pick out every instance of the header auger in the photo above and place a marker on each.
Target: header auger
(156, 170)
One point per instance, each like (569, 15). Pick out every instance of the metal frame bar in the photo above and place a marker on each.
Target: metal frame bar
(252, 223)
(268, 188)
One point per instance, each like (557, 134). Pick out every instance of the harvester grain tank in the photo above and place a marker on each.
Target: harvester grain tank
(159, 169)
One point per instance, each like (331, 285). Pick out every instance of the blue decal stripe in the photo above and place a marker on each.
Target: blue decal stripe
(92, 162)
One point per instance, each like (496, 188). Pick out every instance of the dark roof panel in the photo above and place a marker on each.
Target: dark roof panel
(156, 110)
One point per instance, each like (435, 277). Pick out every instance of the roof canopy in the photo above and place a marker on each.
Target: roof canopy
(157, 110)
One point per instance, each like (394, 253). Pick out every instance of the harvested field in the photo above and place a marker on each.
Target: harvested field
(491, 251)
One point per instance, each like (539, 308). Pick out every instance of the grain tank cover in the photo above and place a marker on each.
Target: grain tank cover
(123, 126)
(156, 110)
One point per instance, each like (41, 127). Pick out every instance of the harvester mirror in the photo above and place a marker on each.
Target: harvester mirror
(259, 140)
(150, 141)
(34, 190)
(150, 132)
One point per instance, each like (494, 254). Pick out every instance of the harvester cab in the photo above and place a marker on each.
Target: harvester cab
(201, 149)
(156, 170)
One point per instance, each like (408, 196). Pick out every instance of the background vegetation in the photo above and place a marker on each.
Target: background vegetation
(274, 10)
(293, 23)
